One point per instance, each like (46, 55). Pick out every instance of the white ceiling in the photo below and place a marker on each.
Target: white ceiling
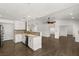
(69, 13)
(15, 11)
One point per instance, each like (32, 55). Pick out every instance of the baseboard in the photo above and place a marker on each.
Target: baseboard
(7, 40)
(69, 35)
(62, 36)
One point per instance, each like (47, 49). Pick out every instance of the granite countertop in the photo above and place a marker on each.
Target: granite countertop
(27, 33)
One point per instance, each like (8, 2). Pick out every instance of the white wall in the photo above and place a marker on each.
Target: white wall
(8, 31)
(70, 29)
(6, 21)
(52, 30)
(65, 27)
(56, 31)
(63, 30)
(76, 30)
(44, 28)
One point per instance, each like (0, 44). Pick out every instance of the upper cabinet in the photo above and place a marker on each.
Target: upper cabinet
(19, 25)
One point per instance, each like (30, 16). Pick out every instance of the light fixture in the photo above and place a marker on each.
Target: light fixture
(50, 21)
(71, 13)
(73, 17)
(28, 16)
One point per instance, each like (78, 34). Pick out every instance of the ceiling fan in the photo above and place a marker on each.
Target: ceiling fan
(50, 21)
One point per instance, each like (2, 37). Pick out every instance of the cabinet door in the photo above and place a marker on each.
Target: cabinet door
(18, 38)
(23, 39)
(19, 25)
(37, 43)
(30, 42)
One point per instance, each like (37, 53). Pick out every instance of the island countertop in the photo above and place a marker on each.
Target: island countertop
(34, 39)
(27, 33)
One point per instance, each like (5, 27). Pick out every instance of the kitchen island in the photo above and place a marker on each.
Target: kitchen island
(34, 39)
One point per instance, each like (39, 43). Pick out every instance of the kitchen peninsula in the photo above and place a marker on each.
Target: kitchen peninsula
(34, 39)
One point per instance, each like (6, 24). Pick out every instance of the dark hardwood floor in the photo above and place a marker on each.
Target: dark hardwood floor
(64, 46)
(7, 49)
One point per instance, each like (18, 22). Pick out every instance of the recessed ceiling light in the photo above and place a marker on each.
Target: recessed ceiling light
(73, 17)
(71, 13)
(28, 16)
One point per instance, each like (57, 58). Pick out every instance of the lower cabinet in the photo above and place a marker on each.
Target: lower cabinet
(20, 38)
(35, 43)
(77, 38)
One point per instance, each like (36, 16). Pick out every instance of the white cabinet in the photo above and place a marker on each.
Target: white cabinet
(35, 42)
(19, 38)
(30, 42)
(19, 25)
(77, 38)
